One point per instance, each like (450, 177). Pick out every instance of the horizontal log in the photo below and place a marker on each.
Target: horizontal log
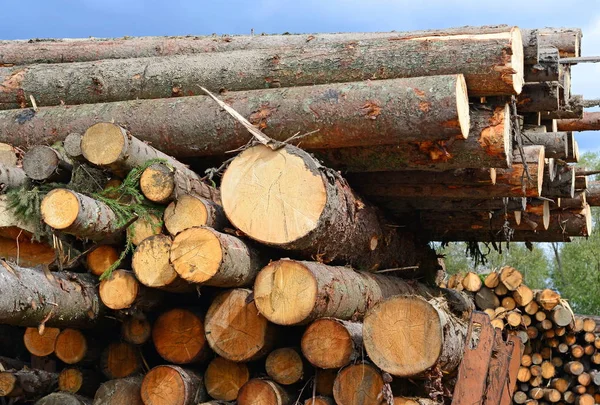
(563, 184)
(555, 143)
(592, 194)
(566, 40)
(29, 297)
(547, 68)
(484, 235)
(571, 222)
(492, 65)
(402, 205)
(572, 107)
(27, 383)
(589, 122)
(544, 96)
(458, 177)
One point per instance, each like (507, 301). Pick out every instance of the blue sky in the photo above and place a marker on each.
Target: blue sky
(114, 18)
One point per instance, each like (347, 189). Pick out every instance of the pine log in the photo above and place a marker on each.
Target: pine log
(72, 347)
(581, 183)
(63, 398)
(121, 290)
(261, 391)
(440, 334)
(27, 383)
(544, 96)
(285, 366)
(458, 177)
(178, 337)
(120, 391)
(289, 292)
(79, 381)
(319, 400)
(224, 378)
(488, 145)
(563, 184)
(189, 211)
(143, 228)
(44, 163)
(576, 222)
(358, 384)
(485, 298)
(566, 40)
(204, 256)
(8, 155)
(11, 177)
(172, 385)
(72, 146)
(592, 194)
(323, 217)
(471, 282)
(152, 267)
(499, 56)
(589, 324)
(555, 143)
(413, 401)
(30, 297)
(589, 122)
(40, 344)
(400, 205)
(120, 360)
(235, 329)
(136, 329)
(492, 280)
(561, 315)
(78, 215)
(547, 68)
(332, 343)
(585, 399)
(101, 259)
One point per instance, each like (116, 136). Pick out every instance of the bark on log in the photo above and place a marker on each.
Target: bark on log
(136, 329)
(178, 337)
(44, 163)
(79, 381)
(488, 145)
(499, 56)
(27, 383)
(547, 68)
(120, 360)
(235, 329)
(289, 292)
(487, 235)
(64, 398)
(224, 378)
(401, 205)
(332, 343)
(285, 366)
(323, 217)
(12, 177)
(78, 215)
(440, 333)
(121, 290)
(261, 391)
(358, 384)
(458, 177)
(485, 298)
(72, 146)
(566, 40)
(40, 344)
(592, 194)
(120, 391)
(555, 143)
(577, 222)
(563, 184)
(536, 97)
(589, 122)
(26, 294)
(172, 385)
(204, 256)
(189, 211)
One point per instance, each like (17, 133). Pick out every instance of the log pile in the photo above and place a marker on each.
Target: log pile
(144, 263)
(561, 361)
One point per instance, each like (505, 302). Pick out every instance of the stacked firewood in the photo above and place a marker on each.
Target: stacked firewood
(561, 361)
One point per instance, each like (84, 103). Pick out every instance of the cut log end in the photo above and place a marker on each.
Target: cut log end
(103, 144)
(358, 384)
(40, 344)
(186, 212)
(101, 259)
(70, 380)
(120, 360)
(136, 330)
(151, 262)
(196, 254)
(8, 383)
(143, 228)
(120, 290)
(285, 366)
(259, 392)
(158, 183)
(72, 145)
(517, 60)
(224, 378)
(462, 106)
(60, 208)
(41, 162)
(263, 186)
(285, 292)
(327, 344)
(71, 346)
(178, 336)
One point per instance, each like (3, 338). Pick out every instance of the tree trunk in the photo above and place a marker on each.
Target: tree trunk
(555, 143)
(236, 330)
(488, 145)
(12, 177)
(414, 319)
(27, 383)
(152, 267)
(178, 337)
(44, 163)
(332, 343)
(172, 385)
(79, 381)
(485, 298)
(492, 65)
(40, 344)
(64, 398)
(289, 292)
(77, 214)
(589, 122)
(189, 211)
(121, 290)
(322, 218)
(29, 297)
(120, 360)
(592, 194)
(136, 329)
(358, 384)
(285, 366)
(261, 391)
(224, 378)
(544, 96)
(205, 256)
(120, 391)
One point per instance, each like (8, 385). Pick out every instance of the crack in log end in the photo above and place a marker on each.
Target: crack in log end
(492, 137)
(259, 118)
(436, 150)
(371, 109)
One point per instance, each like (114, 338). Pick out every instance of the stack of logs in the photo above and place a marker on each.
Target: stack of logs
(561, 361)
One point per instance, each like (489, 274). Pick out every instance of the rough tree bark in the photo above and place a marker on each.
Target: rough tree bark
(592, 194)
(11, 177)
(400, 205)
(544, 96)
(29, 297)
(64, 398)
(555, 143)
(566, 40)
(27, 383)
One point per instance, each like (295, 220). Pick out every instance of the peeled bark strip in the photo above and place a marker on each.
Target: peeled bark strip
(492, 65)
(44, 163)
(78, 215)
(120, 391)
(488, 145)
(26, 294)
(358, 384)
(40, 344)
(136, 329)
(435, 335)
(122, 291)
(260, 391)
(189, 211)
(63, 398)
(589, 122)
(285, 366)
(289, 292)
(162, 184)
(224, 378)
(178, 337)
(12, 177)
(27, 383)
(555, 143)
(332, 343)
(172, 385)
(120, 360)
(235, 329)
(310, 210)
(101, 259)
(204, 256)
